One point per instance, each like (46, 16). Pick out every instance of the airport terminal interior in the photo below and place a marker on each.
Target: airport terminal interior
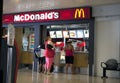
(93, 27)
(26, 75)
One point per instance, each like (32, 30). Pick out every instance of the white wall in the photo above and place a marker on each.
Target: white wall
(107, 42)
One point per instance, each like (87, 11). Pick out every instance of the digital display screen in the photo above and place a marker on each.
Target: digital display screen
(59, 34)
(86, 33)
(52, 34)
(66, 34)
(72, 34)
(80, 33)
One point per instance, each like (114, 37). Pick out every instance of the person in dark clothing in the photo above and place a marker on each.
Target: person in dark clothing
(3, 60)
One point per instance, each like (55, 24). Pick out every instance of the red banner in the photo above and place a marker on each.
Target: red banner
(48, 15)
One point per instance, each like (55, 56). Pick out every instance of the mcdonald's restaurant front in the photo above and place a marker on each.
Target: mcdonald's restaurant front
(75, 24)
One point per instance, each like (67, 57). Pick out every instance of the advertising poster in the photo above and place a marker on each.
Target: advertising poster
(31, 41)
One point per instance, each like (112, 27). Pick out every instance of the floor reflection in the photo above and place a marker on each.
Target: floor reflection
(26, 76)
(47, 79)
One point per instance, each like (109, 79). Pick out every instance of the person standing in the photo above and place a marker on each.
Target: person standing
(39, 53)
(69, 56)
(42, 58)
(49, 54)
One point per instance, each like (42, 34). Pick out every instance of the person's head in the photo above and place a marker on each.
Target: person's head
(42, 46)
(4, 35)
(68, 43)
(48, 38)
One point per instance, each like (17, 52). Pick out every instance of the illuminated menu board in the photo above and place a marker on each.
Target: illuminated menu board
(52, 34)
(66, 34)
(80, 34)
(72, 33)
(86, 33)
(69, 34)
(59, 34)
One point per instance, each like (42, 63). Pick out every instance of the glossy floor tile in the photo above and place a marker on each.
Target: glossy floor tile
(26, 76)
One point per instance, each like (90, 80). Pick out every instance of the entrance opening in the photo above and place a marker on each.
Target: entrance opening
(79, 35)
(25, 41)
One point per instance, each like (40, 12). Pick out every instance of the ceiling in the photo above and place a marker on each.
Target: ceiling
(14, 6)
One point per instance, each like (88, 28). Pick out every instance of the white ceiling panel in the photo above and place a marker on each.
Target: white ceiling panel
(14, 6)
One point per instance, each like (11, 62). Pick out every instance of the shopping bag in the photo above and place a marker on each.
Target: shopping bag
(62, 57)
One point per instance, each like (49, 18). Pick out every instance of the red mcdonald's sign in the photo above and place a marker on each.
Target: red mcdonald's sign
(48, 15)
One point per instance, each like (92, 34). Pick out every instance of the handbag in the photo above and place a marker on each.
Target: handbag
(62, 53)
(62, 57)
(49, 46)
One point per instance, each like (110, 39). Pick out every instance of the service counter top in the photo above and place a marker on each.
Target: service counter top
(80, 59)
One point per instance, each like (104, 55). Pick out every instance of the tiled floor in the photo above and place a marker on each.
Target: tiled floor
(26, 76)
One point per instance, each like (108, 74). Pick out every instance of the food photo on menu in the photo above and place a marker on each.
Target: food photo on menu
(52, 34)
(59, 34)
(66, 34)
(72, 33)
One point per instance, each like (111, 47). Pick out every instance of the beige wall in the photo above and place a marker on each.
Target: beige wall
(13, 6)
(107, 42)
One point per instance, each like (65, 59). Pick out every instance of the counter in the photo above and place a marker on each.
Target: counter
(80, 59)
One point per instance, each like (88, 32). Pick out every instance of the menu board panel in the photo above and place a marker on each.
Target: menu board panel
(80, 33)
(66, 34)
(52, 34)
(72, 33)
(86, 33)
(59, 34)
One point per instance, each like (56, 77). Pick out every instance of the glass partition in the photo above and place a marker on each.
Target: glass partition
(28, 39)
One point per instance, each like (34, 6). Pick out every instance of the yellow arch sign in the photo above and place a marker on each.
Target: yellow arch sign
(79, 13)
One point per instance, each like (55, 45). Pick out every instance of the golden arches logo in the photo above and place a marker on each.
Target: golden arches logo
(79, 13)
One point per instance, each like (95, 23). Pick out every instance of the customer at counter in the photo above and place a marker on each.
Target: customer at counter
(69, 56)
(49, 55)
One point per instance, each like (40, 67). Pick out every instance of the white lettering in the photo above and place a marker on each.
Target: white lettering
(56, 15)
(32, 17)
(37, 17)
(42, 16)
(45, 16)
(50, 15)
(22, 18)
(17, 18)
(26, 17)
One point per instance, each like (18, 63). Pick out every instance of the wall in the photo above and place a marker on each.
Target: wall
(107, 36)
(107, 42)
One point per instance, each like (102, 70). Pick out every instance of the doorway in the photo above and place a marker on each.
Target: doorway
(24, 37)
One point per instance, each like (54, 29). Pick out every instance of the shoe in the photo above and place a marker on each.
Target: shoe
(48, 73)
(45, 72)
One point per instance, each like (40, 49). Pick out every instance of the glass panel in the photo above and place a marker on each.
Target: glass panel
(28, 39)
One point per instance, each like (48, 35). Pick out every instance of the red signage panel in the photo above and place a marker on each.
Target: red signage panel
(49, 15)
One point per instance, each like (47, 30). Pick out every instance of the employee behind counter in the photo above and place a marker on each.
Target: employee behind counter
(79, 58)
(69, 55)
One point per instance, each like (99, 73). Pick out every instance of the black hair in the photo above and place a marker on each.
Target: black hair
(42, 46)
